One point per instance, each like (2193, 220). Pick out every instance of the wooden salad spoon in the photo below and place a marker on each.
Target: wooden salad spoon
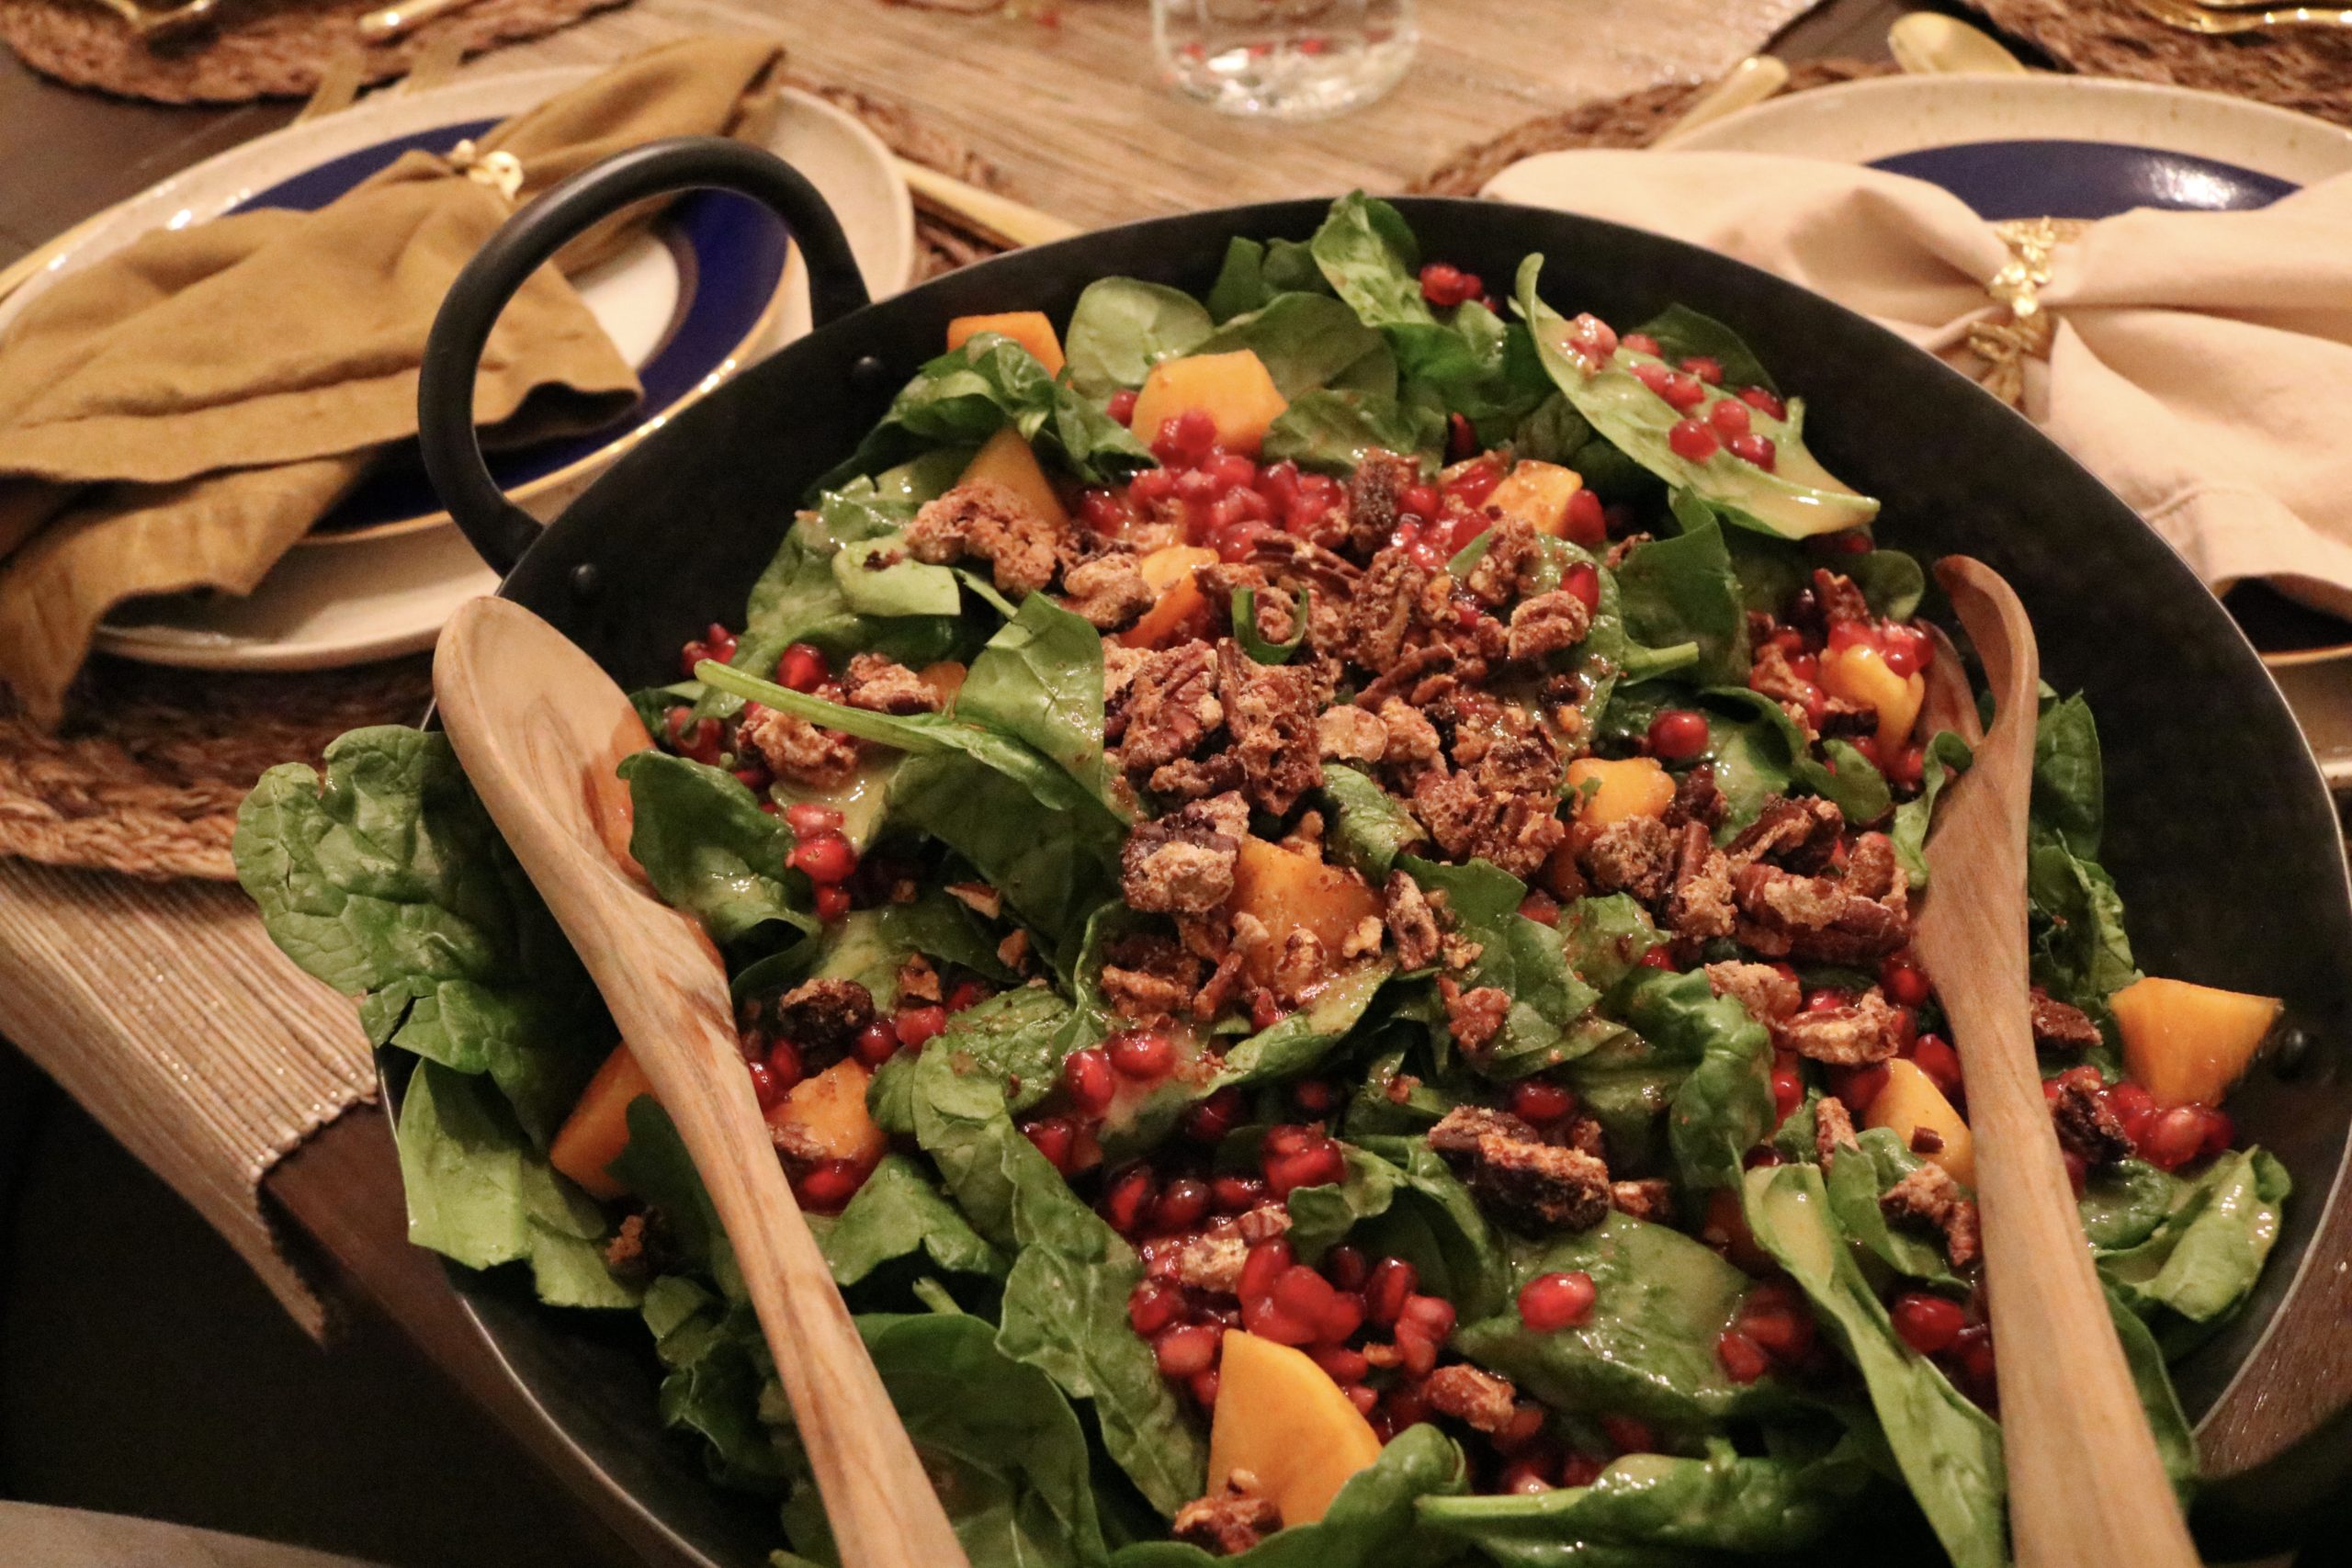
(538, 728)
(2086, 1488)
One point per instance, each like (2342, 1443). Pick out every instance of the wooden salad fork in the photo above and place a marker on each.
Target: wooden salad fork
(2087, 1487)
(538, 728)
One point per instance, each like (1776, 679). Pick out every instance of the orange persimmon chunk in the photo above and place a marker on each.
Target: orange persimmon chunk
(596, 1132)
(1030, 329)
(2184, 1042)
(1290, 892)
(1234, 390)
(1638, 786)
(1180, 609)
(825, 1117)
(1006, 459)
(1911, 1101)
(1281, 1419)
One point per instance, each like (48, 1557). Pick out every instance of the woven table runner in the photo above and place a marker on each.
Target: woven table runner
(2297, 68)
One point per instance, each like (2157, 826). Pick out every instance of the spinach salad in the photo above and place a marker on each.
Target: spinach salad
(1318, 884)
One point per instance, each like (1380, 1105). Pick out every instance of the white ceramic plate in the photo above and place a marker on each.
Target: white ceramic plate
(388, 589)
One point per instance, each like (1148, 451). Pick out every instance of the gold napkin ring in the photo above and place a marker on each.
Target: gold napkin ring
(502, 172)
(2005, 345)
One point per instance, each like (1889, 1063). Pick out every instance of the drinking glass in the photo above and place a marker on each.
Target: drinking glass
(1290, 59)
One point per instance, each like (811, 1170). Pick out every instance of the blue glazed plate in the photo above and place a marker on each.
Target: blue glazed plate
(727, 255)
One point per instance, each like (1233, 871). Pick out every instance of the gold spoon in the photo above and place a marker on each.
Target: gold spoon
(1751, 81)
(2087, 1487)
(1926, 43)
(538, 729)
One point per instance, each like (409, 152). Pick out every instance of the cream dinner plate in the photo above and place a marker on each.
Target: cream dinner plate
(713, 285)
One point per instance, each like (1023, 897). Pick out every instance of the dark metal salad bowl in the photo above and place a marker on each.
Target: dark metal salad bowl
(2220, 832)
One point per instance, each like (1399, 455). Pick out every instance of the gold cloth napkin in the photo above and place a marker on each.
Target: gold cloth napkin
(178, 414)
(2197, 361)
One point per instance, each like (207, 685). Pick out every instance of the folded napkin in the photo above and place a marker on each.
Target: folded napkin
(178, 414)
(2198, 362)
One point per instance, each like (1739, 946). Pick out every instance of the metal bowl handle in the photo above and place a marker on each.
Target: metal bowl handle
(500, 530)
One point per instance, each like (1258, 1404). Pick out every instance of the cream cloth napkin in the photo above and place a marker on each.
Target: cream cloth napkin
(177, 415)
(2201, 362)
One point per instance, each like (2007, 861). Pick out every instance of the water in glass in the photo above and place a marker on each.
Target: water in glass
(1290, 59)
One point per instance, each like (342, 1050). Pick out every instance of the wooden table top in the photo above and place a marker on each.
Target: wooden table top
(67, 153)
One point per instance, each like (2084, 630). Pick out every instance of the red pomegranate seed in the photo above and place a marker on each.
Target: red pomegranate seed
(1907, 650)
(1640, 343)
(2136, 1108)
(1260, 1266)
(1122, 407)
(1406, 1404)
(2219, 1132)
(1151, 486)
(915, 1025)
(1364, 1397)
(1525, 1426)
(1054, 1138)
(877, 1042)
(1338, 1321)
(1933, 1056)
(829, 1184)
(1303, 1293)
(827, 858)
(1684, 392)
(1630, 1435)
(1541, 908)
(1343, 1365)
(1143, 1054)
(802, 668)
(1592, 339)
(1086, 1079)
(1444, 286)
(1858, 1087)
(1213, 1118)
(1763, 402)
(1347, 1267)
(1421, 501)
(1316, 1097)
(833, 903)
(1203, 1387)
(1903, 981)
(1655, 958)
(1416, 1351)
(1828, 999)
(1184, 1352)
(808, 820)
(1730, 418)
(1534, 1099)
(1236, 1194)
(968, 994)
(1473, 484)
(1755, 449)
(2174, 1137)
(1392, 1282)
(1705, 368)
(1588, 520)
(1295, 1157)
(1152, 1307)
(1232, 471)
(1583, 580)
(1194, 433)
(1433, 1314)
(783, 1064)
(1580, 1470)
(1657, 377)
(1788, 1093)
(1183, 1204)
(1550, 1303)
(1743, 1360)
(1677, 735)
(1522, 1478)
(764, 1088)
(1127, 1198)
(1692, 441)
(1267, 1321)
(1928, 1324)
(1782, 1328)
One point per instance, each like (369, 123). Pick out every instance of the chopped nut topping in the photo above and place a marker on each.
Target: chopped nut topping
(1930, 1196)
(2087, 1127)
(885, 685)
(1547, 623)
(796, 750)
(1229, 1522)
(1484, 1400)
(2059, 1027)
(1768, 994)
(1507, 1166)
(1651, 1198)
(1412, 924)
(984, 519)
(1475, 1016)
(1183, 863)
(1863, 1032)
(1833, 1128)
(1109, 591)
(1635, 855)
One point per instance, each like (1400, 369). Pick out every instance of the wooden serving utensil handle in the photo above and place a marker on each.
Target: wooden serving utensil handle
(535, 721)
(2087, 1486)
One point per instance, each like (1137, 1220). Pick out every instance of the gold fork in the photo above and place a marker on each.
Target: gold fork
(2195, 18)
(149, 24)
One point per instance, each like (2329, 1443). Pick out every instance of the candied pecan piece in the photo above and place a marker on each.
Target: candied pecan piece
(1120, 664)
(1651, 1198)
(1873, 871)
(824, 1018)
(2057, 1026)
(1108, 592)
(1697, 799)
(1633, 854)
(1211, 1261)
(1833, 1128)
(1190, 778)
(796, 750)
(1512, 557)
(2087, 1127)
(1370, 493)
(1930, 1196)
(1771, 674)
(1768, 994)
(643, 1249)
(1509, 1167)
(1169, 707)
(1854, 1035)
(1146, 975)
(1483, 1400)
(918, 981)
(1227, 1523)
(984, 519)
(1412, 924)
(1182, 862)
(1271, 711)
(1546, 624)
(1411, 672)
(1385, 610)
(1412, 738)
(1300, 968)
(885, 685)
(1787, 916)
(1699, 905)
(1840, 599)
(1799, 835)
(1349, 734)
(1474, 1016)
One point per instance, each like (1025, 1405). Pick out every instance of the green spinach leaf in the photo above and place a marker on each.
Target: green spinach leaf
(2201, 1262)
(898, 1214)
(1330, 430)
(1723, 1106)
(1525, 959)
(1124, 326)
(1682, 589)
(709, 850)
(1368, 827)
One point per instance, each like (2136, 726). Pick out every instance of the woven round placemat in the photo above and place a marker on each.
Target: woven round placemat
(146, 776)
(2298, 68)
(257, 48)
(1628, 121)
